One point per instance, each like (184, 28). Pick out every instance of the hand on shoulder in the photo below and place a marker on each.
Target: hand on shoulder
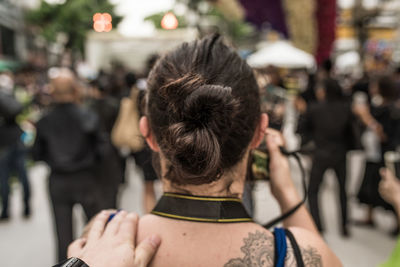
(113, 243)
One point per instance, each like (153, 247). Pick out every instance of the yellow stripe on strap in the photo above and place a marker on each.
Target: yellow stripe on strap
(202, 198)
(201, 219)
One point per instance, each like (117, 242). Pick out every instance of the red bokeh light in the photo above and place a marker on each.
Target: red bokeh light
(98, 26)
(169, 21)
(102, 22)
(107, 17)
(108, 27)
(97, 17)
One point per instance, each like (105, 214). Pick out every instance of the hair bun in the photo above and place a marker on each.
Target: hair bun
(203, 108)
(210, 106)
(196, 147)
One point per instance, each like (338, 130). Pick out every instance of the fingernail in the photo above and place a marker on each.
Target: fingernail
(155, 241)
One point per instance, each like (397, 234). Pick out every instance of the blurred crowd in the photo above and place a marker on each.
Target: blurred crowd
(82, 128)
(78, 127)
(335, 114)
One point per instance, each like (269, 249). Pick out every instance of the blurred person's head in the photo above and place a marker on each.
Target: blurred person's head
(103, 83)
(324, 70)
(202, 113)
(327, 66)
(130, 79)
(63, 85)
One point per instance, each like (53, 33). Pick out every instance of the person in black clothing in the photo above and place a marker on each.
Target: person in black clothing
(310, 94)
(384, 119)
(12, 153)
(110, 169)
(328, 124)
(67, 140)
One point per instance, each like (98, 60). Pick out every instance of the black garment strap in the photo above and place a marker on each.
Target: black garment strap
(296, 248)
(201, 208)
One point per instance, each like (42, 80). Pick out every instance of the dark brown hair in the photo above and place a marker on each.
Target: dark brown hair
(203, 108)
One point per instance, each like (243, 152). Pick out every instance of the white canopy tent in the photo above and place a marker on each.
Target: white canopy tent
(281, 54)
(347, 61)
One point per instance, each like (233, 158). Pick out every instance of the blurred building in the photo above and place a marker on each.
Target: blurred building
(102, 49)
(13, 40)
(371, 29)
(362, 23)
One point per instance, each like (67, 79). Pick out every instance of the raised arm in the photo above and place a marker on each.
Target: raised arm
(282, 186)
(314, 250)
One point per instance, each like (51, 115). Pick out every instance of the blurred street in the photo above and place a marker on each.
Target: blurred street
(366, 247)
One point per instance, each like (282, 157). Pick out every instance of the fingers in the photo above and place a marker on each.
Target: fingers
(97, 229)
(129, 226)
(114, 225)
(146, 250)
(75, 248)
(274, 140)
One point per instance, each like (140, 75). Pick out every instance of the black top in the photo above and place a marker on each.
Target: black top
(329, 125)
(107, 109)
(10, 133)
(389, 117)
(67, 138)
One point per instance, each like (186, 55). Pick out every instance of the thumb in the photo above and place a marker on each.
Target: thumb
(75, 248)
(386, 174)
(146, 250)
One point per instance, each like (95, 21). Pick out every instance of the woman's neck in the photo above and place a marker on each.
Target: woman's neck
(225, 186)
(230, 184)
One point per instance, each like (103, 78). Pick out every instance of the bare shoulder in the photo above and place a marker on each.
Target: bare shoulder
(258, 249)
(234, 245)
(185, 243)
(147, 226)
(314, 250)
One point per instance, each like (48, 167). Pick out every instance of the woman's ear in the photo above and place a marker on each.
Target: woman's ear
(260, 131)
(144, 128)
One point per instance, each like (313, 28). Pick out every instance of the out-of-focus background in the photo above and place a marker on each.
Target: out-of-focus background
(108, 48)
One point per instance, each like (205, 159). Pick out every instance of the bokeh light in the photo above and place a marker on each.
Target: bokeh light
(102, 22)
(169, 21)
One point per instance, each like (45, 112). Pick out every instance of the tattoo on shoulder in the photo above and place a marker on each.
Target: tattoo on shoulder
(259, 251)
(311, 257)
